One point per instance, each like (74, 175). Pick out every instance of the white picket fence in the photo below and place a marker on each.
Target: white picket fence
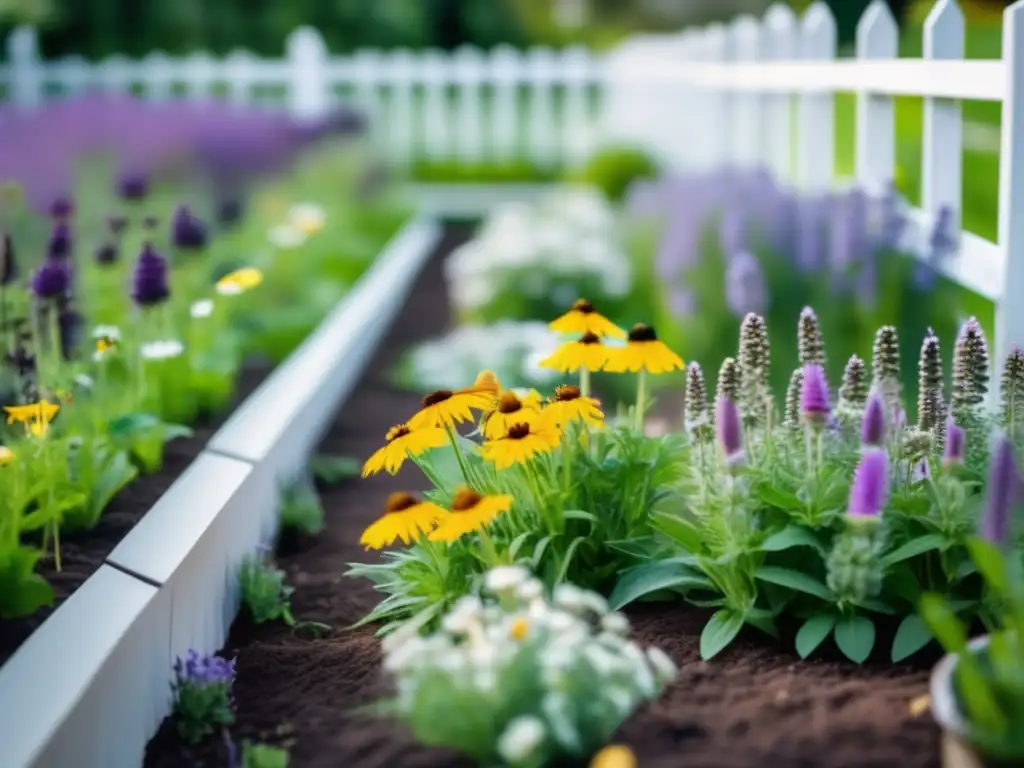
(752, 93)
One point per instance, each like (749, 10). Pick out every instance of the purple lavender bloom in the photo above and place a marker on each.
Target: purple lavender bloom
(150, 283)
(61, 241)
(872, 428)
(107, 254)
(132, 187)
(681, 302)
(732, 234)
(62, 208)
(953, 453)
(729, 430)
(941, 245)
(808, 245)
(814, 404)
(893, 220)
(870, 489)
(202, 695)
(1003, 485)
(52, 280)
(745, 289)
(204, 670)
(8, 262)
(187, 232)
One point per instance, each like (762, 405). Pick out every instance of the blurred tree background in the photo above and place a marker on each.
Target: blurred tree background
(97, 28)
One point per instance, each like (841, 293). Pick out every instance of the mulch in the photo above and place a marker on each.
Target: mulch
(754, 705)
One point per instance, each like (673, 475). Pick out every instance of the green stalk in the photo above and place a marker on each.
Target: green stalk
(584, 381)
(641, 394)
(458, 453)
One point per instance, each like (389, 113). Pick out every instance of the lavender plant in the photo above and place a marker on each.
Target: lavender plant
(833, 519)
(202, 695)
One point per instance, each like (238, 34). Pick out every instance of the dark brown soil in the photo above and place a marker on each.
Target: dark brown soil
(755, 705)
(82, 553)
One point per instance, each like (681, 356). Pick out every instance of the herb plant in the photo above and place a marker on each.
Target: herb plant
(301, 509)
(202, 696)
(264, 591)
(525, 680)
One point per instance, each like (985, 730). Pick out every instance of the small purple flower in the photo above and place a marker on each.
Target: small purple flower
(187, 232)
(133, 187)
(814, 404)
(117, 225)
(745, 289)
(729, 430)
(872, 428)
(1003, 482)
(953, 453)
(150, 284)
(62, 208)
(921, 471)
(107, 254)
(204, 670)
(52, 280)
(8, 262)
(61, 241)
(732, 233)
(870, 488)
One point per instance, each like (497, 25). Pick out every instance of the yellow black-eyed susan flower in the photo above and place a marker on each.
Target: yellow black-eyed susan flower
(521, 443)
(614, 756)
(35, 416)
(643, 351)
(446, 408)
(570, 405)
(402, 442)
(511, 410)
(470, 511)
(487, 381)
(239, 281)
(583, 318)
(587, 353)
(405, 518)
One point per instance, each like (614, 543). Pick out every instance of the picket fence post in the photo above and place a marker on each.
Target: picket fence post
(25, 68)
(308, 85)
(815, 144)
(1010, 306)
(780, 44)
(746, 46)
(877, 38)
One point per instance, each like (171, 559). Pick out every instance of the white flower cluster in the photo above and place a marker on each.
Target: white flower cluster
(549, 677)
(545, 250)
(512, 349)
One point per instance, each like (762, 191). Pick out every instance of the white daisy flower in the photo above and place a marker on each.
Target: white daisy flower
(308, 218)
(521, 739)
(504, 579)
(286, 237)
(109, 332)
(162, 350)
(201, 308)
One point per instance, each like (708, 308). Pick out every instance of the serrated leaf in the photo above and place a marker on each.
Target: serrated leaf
(915, 547)
(642, 580)
(789, 537)
(855, 636)
(813, 632)
(795, 580)
(911, 636)
(719, 632)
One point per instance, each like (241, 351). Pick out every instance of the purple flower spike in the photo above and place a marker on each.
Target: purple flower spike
(872, 430)
(1003, 480)
(870, 488)
(52, 280)
(953, 453)
(187, 232)
(814, 405)
(107, 254)
(60, 241)
(150, 282)
(729, 429)
(133, 187)
(62, 208)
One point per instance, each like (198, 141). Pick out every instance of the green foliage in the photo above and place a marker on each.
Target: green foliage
(264, 591)
(987, 679)
(301, 509)
(333, 470)
(614, 169)
(264, 756)
(525, 681)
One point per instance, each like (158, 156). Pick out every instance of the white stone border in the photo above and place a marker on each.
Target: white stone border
(91, 686)
(471, 200)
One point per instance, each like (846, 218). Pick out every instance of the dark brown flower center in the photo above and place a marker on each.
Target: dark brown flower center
(567, 393)
(518, 431)
(397, 502)
(509, 403)
(465, 499)
(437, 397)
(583, 306)
(642, 332)
(590, 338)
(397, 431)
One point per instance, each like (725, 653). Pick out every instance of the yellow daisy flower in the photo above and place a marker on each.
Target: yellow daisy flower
(445, 408)
(570, 405)
(643, 351)
(521, 443)
(41, 411)
(405, 518)
(239, 281)
(587, 353)
(470, 511)
(582, 318)
(511, 410)
(488, 381)
(401, 443)
(614, 756)
(6, 455)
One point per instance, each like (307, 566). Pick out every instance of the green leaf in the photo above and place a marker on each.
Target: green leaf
(944, 625)
(331, 470)
(517, 543)
(855, 636)
(579, 514)
(719, 632)
(784, 500)
(564, 569)
(130, 424)
(915, 547)
(681, 531)
(813, 633)
(642, 580)
(989, 560)
(789, 537)
(762, 620)
(911, 636)
(795, 580)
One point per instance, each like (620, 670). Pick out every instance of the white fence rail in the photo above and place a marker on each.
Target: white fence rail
(751, 93)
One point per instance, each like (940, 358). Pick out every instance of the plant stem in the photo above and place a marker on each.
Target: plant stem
(53, 319)
(584, 382)
(641, 393)
(458, 453)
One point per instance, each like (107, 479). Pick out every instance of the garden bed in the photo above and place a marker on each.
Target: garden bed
(753, 705)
